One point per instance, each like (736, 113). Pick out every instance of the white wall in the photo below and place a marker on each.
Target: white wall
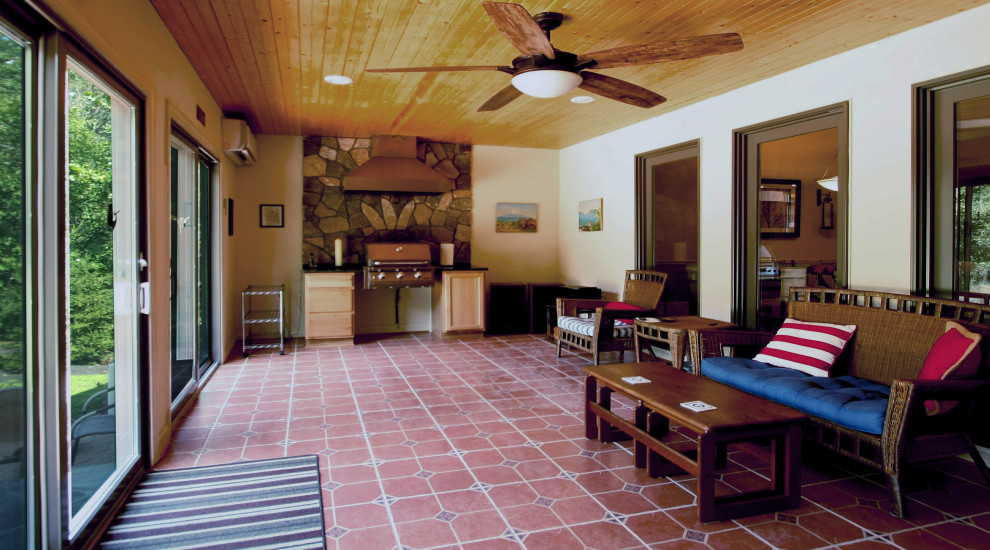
(512, 174)
(270, 255)
(875, 79)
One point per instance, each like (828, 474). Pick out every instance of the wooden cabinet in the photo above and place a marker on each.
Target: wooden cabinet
(463, 301)
(329, 305)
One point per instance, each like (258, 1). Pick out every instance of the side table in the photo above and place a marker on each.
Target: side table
(675, 332)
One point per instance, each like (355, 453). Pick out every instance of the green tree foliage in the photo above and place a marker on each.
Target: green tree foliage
(12, 259)
(90, 237)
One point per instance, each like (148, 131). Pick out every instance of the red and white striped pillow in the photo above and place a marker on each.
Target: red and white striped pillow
(807, 347)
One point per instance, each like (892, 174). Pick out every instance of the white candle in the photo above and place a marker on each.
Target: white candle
(338, 253)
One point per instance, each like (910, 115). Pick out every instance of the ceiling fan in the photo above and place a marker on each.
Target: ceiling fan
(544, 71)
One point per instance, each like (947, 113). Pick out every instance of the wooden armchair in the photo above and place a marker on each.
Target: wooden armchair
(643, 289)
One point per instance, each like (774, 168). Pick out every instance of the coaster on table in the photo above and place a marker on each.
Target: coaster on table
(698, 406)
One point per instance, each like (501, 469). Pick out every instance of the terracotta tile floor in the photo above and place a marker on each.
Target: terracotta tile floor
(478, 443)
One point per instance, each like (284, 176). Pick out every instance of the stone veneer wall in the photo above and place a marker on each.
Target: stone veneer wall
(361, 217)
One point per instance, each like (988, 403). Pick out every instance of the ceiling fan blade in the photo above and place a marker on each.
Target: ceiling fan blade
(519, 27)
(440, 69)
(619, 90)
(500, 99)
(666, 50)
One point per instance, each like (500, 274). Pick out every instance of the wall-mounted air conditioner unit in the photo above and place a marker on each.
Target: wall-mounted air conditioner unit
(239, 142)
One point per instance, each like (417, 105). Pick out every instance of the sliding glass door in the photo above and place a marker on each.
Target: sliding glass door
(961, 255)
(101, 289)
(191, 341)
(70, 267)
(14, 312)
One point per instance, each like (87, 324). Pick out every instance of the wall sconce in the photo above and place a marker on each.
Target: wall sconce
(828, 209)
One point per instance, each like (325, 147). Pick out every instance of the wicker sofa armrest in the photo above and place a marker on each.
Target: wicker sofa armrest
(906, 414)
(714, 342)
(571, 307)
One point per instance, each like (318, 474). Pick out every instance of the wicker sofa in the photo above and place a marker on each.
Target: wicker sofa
(894, 335)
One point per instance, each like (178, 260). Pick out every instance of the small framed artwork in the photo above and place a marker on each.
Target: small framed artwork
(516, 217)
(590, 215)
(780, 208)
(271, 215)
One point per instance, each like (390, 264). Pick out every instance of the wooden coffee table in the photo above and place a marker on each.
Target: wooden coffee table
(676, 332)
(738, 418)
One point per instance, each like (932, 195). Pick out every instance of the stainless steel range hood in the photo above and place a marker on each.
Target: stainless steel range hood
(394, 168)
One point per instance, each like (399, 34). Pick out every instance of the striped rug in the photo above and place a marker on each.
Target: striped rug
(259, 504)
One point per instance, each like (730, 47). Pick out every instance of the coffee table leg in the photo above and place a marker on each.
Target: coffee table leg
(658, 426)
(785, 467)
(706, 479)
(604, 426)
(590, 418)
(640, 449)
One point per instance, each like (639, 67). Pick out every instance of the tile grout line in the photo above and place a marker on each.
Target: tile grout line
(367, 441)
(564, 524)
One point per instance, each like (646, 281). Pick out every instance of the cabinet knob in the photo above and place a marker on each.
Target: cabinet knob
(381, 276)
(417, 275)
(398, 275)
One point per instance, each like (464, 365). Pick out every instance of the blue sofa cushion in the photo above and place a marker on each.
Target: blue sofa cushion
(845, 400)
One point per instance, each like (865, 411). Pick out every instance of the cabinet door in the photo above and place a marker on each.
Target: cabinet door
(329, 305)
(463, 301)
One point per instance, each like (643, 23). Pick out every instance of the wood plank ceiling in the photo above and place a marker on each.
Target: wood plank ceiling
(265, 59)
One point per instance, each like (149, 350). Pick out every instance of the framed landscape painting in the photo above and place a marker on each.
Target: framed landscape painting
(590, 215)
(516, 217)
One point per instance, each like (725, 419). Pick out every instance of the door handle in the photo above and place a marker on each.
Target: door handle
(145, 297)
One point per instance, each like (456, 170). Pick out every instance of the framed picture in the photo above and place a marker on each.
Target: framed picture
(590, 215)
(271, 215)
(516, 217)
(780, 208)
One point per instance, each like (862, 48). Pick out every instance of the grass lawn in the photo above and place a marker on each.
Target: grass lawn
(83, 386)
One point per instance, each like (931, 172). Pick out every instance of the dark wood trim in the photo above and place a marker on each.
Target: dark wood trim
(923, 171)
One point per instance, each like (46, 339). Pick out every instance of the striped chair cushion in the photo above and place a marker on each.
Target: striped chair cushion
(587, 327)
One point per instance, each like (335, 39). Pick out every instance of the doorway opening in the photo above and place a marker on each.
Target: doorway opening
(667, 222)
(790, 202)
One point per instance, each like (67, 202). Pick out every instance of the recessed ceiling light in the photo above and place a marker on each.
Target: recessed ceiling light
(338, 79)
(582, 99)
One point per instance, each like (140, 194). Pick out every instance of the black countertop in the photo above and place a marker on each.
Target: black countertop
(358, 268)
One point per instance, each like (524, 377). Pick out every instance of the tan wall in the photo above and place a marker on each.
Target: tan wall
(132, 37)
(511, 174)
(270, 255)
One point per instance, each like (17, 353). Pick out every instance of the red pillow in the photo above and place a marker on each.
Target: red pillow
(954, 356)
(625, 306)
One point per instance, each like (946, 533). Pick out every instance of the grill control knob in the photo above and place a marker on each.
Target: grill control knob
(381, 276)
(417, 275)
(398, 275)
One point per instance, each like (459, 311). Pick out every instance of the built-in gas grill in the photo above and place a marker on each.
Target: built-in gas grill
(397, 265)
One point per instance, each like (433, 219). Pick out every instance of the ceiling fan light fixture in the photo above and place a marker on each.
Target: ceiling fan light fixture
(546, 82)
(581, 99)
(338, 79)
